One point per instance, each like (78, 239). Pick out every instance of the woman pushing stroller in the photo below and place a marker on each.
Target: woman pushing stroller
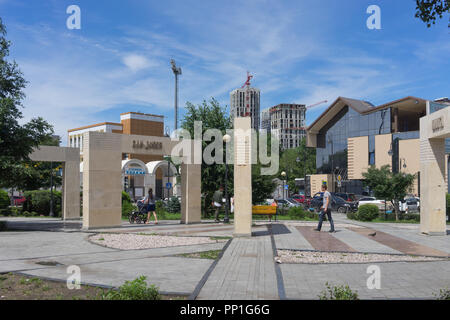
(149, 201)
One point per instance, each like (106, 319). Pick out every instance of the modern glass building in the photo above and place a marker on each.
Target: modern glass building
(352, 135)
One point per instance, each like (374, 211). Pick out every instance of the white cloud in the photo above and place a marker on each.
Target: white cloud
(136, 62)
(290, 52)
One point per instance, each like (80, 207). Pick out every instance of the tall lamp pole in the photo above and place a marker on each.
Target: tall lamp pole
(176, 71)
(226, 139)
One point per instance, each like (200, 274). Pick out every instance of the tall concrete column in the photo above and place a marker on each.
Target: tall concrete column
(191, 193)
(434, 128)
(102, 187)
(432, 187)
(71, 194)
(242, 178)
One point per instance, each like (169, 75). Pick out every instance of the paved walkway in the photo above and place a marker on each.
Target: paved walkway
(246, 270)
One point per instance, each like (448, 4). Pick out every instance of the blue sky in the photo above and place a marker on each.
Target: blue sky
(299, 51)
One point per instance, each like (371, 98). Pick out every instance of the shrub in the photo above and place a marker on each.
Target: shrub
(133, 290)
(444, 294)
(126, 197)
(4, 199)
(296, 213)
(16, 211)
(312, 215)
(39, 202)
(338, 293)
(352, 215)
(127, 208)
(367, 212)
(174, 205)
(5, 212)
(448, 206)
(160, 209)
(411, 216)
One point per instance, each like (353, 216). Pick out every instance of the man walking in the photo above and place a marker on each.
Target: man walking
(217, 202)
(325, 209)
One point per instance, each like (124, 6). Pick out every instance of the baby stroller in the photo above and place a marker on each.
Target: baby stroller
(139, 216)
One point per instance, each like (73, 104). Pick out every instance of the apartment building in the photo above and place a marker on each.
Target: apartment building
(245, 102)
(287, 123)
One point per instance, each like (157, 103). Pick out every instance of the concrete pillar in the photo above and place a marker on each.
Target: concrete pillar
(102, 201)
(434, 128)
(242, 178)
(71, 190)
(191, 193)
(432, 187)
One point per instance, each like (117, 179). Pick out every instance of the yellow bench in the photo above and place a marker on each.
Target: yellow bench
(265, 210)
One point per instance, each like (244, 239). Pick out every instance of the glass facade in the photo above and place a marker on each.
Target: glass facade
(348, 123)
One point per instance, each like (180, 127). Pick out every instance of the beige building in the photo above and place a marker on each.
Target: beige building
(352, 135)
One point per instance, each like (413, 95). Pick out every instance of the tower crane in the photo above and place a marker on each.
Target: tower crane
(247, 94)
(316, 104)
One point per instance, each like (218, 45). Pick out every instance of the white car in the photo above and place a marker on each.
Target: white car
(411, 204)
(381, 204)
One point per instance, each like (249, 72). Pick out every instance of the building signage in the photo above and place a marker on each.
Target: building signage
(147, 145)
(134, 171)
(437, 124)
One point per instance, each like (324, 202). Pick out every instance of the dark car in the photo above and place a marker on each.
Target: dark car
(350, 197)
(337, 203)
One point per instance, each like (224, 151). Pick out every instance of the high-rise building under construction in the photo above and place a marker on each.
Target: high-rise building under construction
(245, 102)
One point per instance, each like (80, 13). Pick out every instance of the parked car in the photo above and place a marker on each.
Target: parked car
(286, 203)
(300, 198)
(409, 205)
(350, 197)
(338, 204)
(293, 202)
(381, 204)
(19, 200)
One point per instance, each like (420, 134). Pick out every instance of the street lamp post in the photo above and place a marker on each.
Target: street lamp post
(226, 139)
(283, 174)
(176, 71)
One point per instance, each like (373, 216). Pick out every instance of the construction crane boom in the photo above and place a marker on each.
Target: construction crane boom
(316, 104)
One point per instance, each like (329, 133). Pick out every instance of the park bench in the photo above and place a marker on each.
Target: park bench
(265, 210)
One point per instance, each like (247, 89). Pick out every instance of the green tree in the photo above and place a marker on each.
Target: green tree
(212, 116)
(429, 10)
(36, 175)
(262, 185)
(387, 185)
(306, 163)
(16, 141)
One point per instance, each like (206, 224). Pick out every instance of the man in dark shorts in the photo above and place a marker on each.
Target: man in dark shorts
(325, 209)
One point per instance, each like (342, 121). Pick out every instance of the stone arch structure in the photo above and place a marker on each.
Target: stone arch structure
(70, 157)
(102, 166)
(434, 129)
